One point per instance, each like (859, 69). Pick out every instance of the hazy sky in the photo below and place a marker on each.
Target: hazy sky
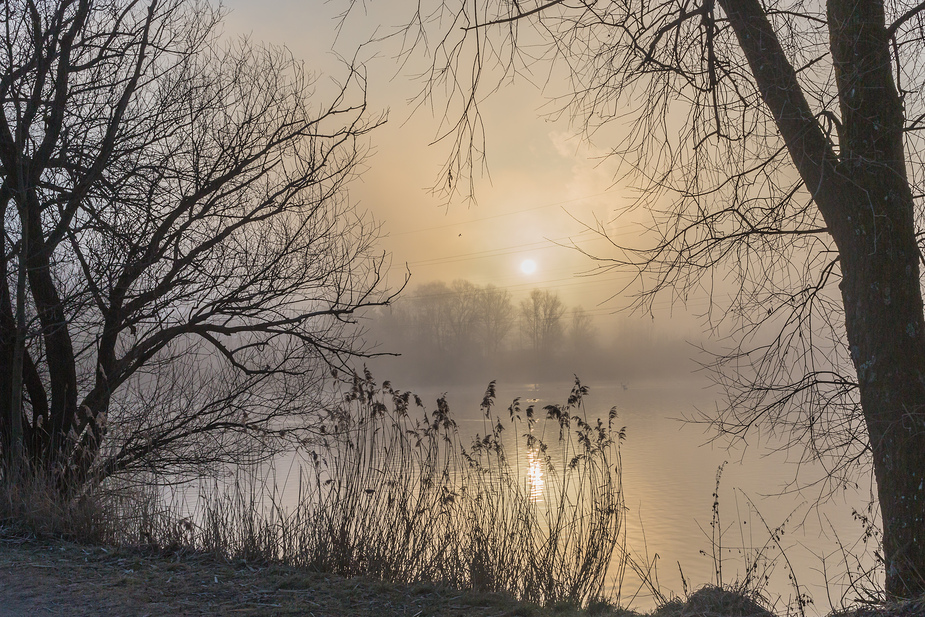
(542, 179)
(543, 182)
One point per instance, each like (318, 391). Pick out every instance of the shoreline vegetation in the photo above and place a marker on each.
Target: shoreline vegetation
(59, 577)
(396, 514)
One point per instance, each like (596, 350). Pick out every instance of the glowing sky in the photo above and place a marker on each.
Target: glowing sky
(543, 182)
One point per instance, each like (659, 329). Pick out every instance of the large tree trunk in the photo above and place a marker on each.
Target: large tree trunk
(881, 287)
(861, 189)
(883, 308)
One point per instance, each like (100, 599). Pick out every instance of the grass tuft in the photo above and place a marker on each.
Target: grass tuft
(34, 507)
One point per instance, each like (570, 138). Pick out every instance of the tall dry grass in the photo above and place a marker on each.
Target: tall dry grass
(123, 511)
(392, 490)
(389, 489)
(33, 506)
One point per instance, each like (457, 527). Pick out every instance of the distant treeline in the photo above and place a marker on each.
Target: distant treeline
(461, 332)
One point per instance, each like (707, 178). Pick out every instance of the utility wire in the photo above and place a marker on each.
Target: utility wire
(500, 215)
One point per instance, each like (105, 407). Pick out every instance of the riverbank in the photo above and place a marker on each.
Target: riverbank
(58, 578)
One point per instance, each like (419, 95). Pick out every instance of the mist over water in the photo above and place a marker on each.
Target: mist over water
(669, 479)
(669, 465)
(444, 334)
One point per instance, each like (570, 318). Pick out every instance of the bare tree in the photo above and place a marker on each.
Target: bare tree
(777, 143)
(495, 318)
(174, 207)
(449, 319)
(581, 330)
(461, 310)
(541, 319)
(429, 312)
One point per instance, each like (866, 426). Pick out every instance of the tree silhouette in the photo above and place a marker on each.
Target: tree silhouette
(778, 145)
(180, 264)
(580, 330)
(495, 317)
(541, 320)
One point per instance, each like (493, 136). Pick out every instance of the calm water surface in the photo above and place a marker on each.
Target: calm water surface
(669, 477)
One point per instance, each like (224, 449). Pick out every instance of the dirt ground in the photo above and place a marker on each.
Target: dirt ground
(61, 579)
(57, 578)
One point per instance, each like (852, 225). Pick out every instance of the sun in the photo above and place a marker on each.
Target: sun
(528, 266)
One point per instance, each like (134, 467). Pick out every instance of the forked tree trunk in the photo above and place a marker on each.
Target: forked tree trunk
(860, 185)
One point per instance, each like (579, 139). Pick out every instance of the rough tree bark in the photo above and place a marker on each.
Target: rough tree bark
(864, 197)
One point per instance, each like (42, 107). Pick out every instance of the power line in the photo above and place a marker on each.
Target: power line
(541, 245)
(503, 214)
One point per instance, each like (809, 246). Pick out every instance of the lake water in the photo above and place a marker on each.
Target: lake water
(669, 478)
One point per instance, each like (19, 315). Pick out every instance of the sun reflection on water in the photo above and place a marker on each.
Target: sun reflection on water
(535, 478)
